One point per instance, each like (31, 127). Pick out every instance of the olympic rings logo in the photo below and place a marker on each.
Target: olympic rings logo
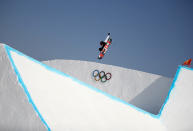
(101, 76)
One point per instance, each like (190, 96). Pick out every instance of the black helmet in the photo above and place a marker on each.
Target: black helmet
(101, 42)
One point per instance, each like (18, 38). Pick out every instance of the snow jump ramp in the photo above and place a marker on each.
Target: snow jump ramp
(34, 96)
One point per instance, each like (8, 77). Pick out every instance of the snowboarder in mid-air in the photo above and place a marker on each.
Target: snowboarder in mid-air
(104, 46)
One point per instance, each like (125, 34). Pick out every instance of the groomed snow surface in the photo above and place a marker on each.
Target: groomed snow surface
(144, 90)
(63, 102)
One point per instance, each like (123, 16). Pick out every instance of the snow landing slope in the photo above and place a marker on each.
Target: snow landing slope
(64, 103)
(144, 90)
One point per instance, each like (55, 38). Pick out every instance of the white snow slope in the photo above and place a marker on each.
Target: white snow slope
(144, 90)
(65, 103)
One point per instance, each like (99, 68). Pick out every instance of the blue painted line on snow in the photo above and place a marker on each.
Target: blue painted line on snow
(171, 88)
(23, 85)
(188, 68)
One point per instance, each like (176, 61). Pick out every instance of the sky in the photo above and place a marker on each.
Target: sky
(154, 36)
